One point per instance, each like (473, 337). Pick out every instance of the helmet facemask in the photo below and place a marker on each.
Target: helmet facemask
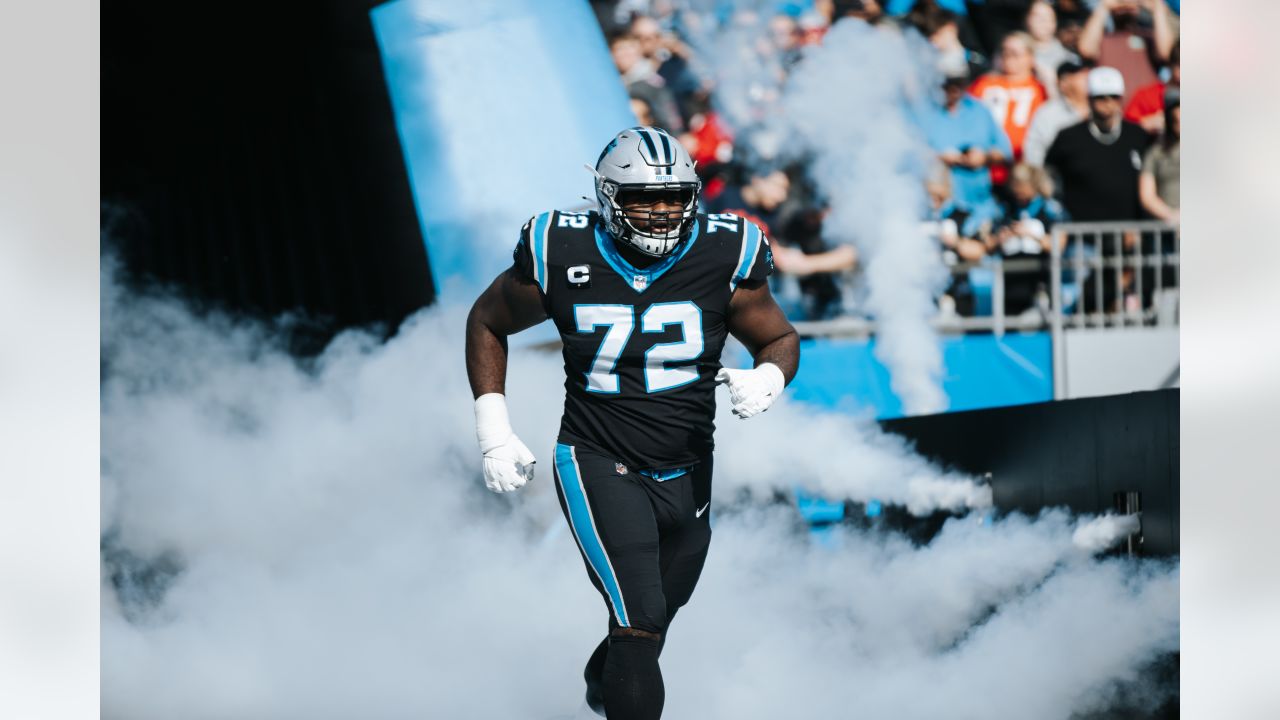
(655, 219)
(648, 170)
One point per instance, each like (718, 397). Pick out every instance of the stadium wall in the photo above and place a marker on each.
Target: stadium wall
(1082, 454)
(979, 371)
(252, 160)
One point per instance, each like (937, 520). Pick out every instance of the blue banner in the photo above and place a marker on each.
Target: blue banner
(981, 371)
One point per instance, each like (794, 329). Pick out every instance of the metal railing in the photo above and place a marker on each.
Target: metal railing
(997, 322)
(1114, 274)
(1100, 275)
(1120, 273)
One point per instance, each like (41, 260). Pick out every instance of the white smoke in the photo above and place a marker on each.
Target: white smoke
(847, 108)
(288, 539)
(856, 460)
(1101, 533)
(848, 103)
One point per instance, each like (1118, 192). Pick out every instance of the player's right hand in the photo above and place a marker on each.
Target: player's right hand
(508, 463)
(508, 466)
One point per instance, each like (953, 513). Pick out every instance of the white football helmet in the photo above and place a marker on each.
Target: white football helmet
(648, 164)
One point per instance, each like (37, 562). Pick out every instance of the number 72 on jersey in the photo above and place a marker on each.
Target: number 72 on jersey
(619, 322)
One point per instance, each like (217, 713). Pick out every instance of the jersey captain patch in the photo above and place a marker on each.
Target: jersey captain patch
(579, 276)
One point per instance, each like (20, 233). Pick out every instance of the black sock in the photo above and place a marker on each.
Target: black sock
(594, 675)
(632, 681)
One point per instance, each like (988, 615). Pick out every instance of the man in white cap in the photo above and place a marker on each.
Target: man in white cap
(1098, 161)
(1068, 108)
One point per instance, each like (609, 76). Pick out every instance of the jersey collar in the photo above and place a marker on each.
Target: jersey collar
(639, 279)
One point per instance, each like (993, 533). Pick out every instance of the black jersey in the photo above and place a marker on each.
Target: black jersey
(641, 345)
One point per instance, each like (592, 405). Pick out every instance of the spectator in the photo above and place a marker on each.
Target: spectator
(793, 261)
(1071, 11)
(952, 224)
(760, 200)
(1069, 34)
(625, 10)
(670, 57)
(1132, 49)
(1030, 215)
(1147, 106)
(1158, 189)
(954, 228)
(642, 82)
(969, 141)
(815, 22)
(1098, 160)
(1158, 186)
(787, 38)
(1068, 108)
(868, 11)
(757, 199)
(920, 13)
(709, 143)
(1025, 234)
(1042, 26)
(644, 113)
(1013, 93)
(943, 31)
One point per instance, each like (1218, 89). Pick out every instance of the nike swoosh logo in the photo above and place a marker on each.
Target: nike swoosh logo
(698, 513)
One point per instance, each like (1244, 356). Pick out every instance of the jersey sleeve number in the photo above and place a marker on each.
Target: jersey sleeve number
(722, 221)
(619, 322)
(573, 220)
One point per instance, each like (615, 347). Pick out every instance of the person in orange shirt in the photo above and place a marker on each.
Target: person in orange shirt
(1012, 92)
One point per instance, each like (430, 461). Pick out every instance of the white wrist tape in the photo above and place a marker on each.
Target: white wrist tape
(493, 426)
(773, 373)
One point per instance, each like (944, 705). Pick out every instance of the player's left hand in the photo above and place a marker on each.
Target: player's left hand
(753, 391)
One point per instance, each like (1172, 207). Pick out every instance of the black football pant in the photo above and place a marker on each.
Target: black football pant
(644, 542)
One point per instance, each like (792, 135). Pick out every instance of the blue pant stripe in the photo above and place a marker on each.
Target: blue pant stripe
(583, 525)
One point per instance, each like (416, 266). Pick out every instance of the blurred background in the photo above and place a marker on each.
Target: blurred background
(974, 211)
(359, 161)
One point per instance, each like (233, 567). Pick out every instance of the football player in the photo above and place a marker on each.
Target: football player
(644, 292)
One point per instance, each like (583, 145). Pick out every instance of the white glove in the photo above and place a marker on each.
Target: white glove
(753, 391)
(508, 464)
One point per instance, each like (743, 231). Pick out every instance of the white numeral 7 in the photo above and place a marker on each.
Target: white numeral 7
(619, 321)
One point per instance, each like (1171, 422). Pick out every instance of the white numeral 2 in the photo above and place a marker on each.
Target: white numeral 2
(657, 376)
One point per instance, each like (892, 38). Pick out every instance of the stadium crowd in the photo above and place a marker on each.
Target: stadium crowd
(1047, 111)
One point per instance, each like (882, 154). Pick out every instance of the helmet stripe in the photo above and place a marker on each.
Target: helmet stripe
(612, 144)
(666, 149)
(653, 149)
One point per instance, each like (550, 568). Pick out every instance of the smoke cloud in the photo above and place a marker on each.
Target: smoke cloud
(1098, 534)
(287, 538)
(848, 102)
(847, 109)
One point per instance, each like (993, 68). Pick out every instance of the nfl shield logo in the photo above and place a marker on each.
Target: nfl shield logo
(620, 468)
(639, 282)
